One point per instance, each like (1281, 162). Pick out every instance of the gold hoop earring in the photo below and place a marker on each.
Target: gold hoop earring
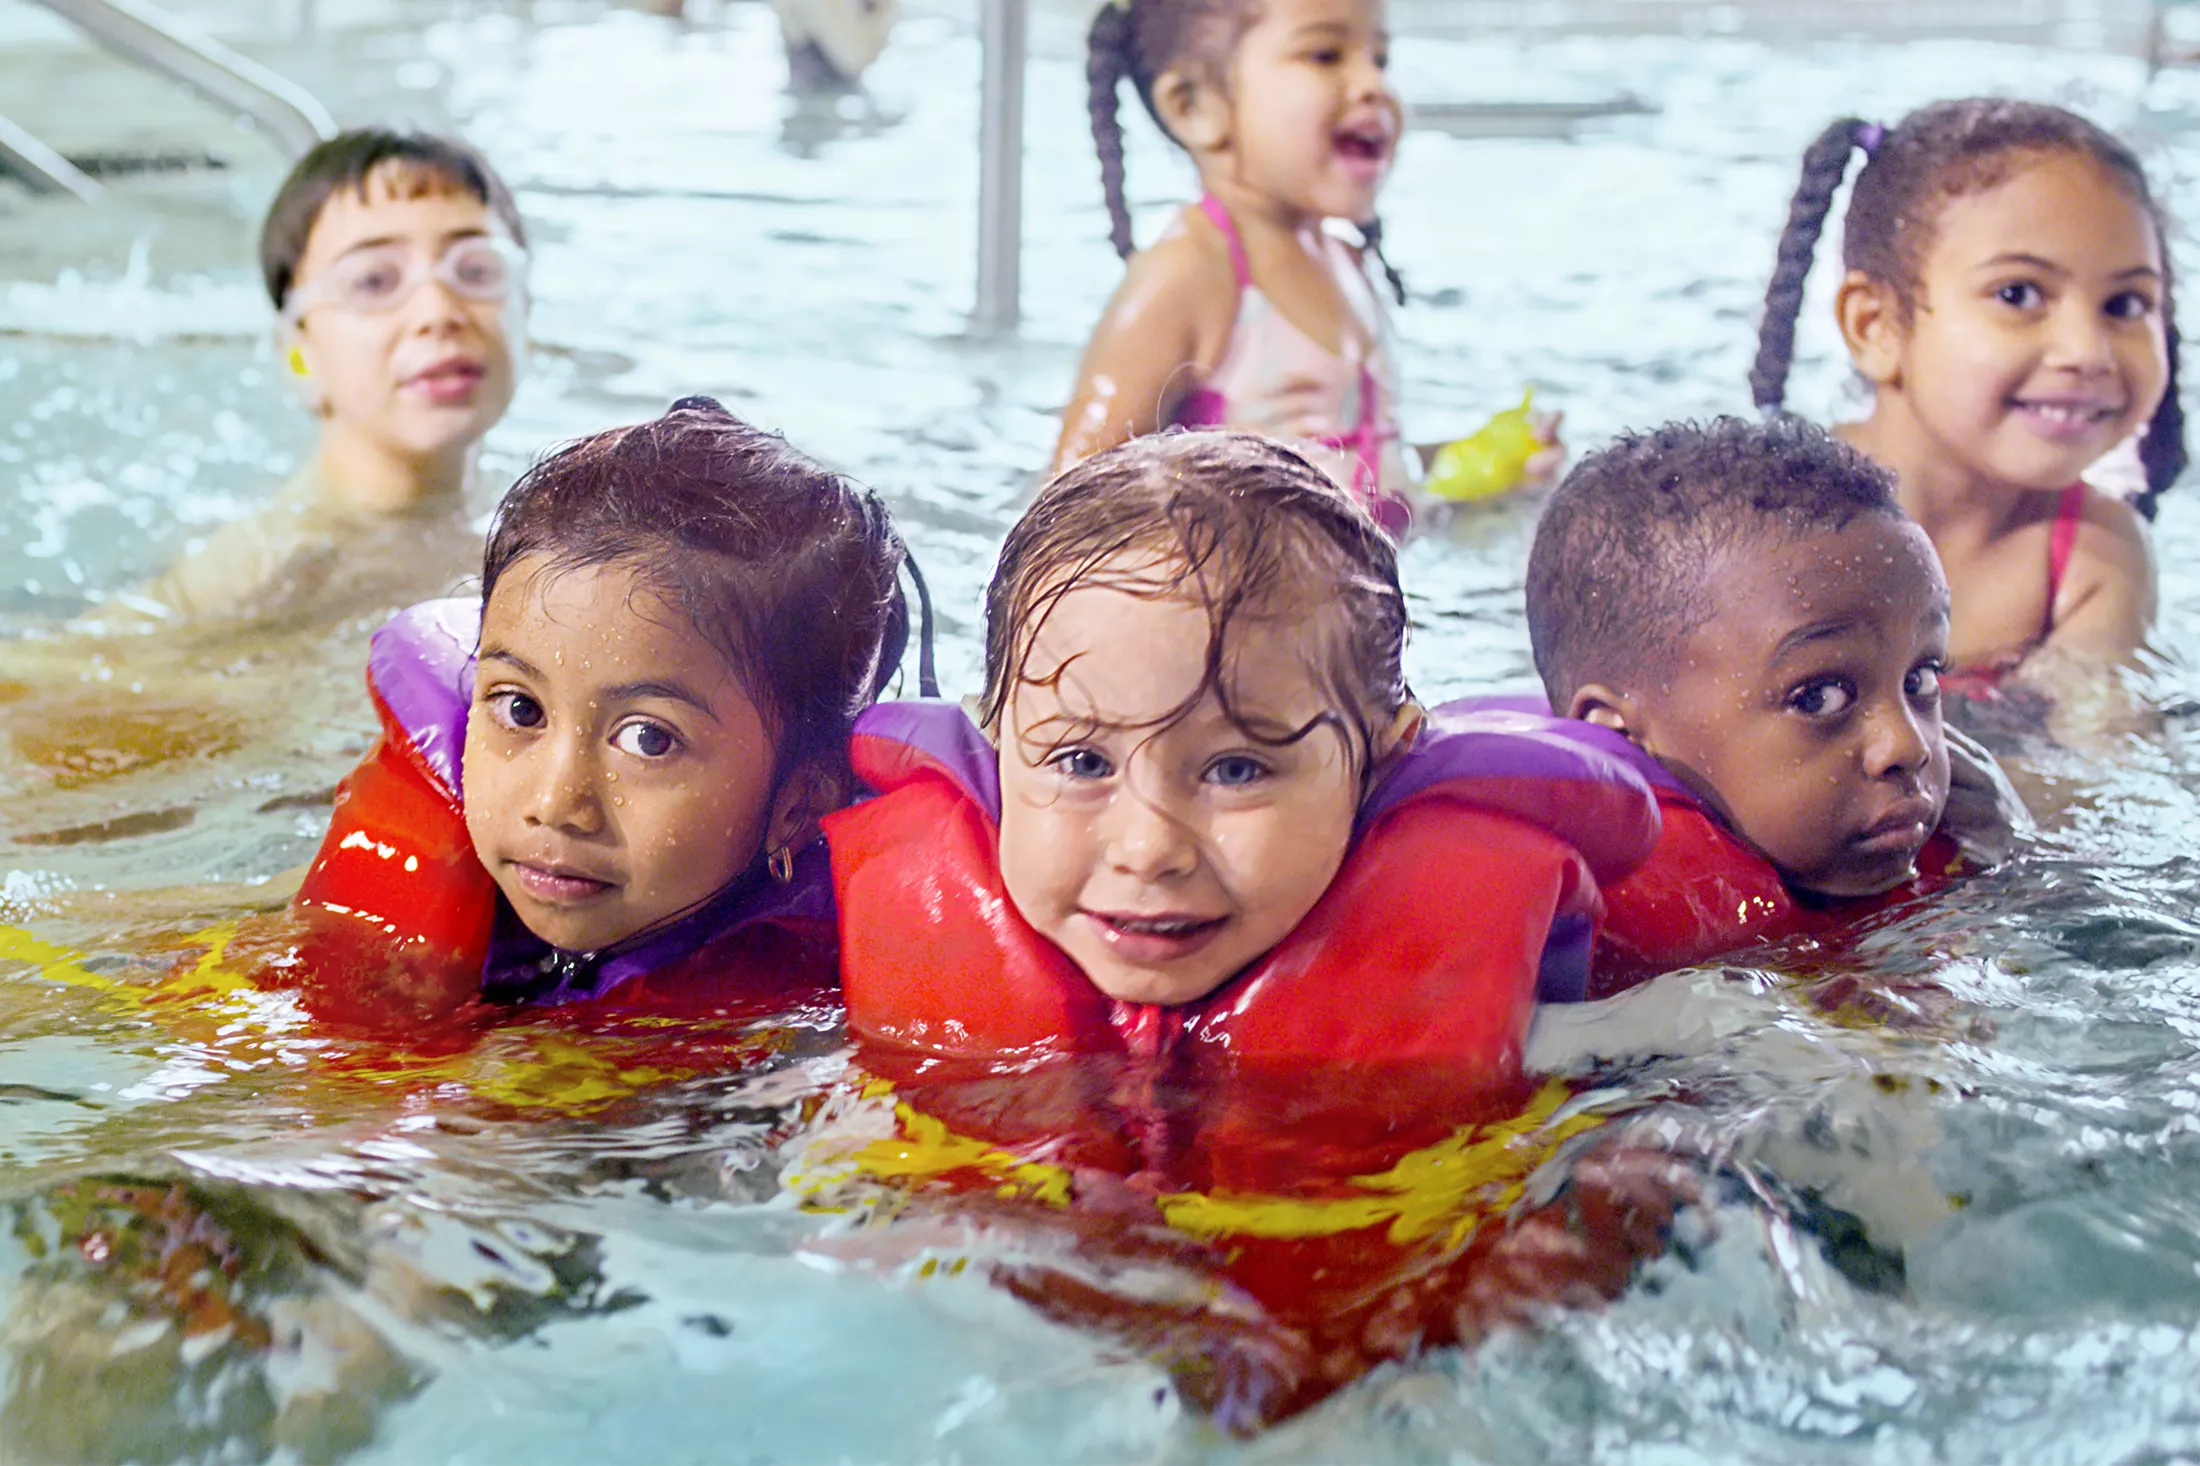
(781, 864)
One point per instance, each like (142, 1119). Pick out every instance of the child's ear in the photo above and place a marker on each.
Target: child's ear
(1193, 110)
(1871, 324)
(808, 793)
(1594, 702)
(297, 369)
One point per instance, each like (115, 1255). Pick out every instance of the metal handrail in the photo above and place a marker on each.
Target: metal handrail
(138, 33)
(40, 167)
(1003, 25)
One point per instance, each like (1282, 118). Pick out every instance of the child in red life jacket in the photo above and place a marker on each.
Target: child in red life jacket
(1748, 610)
(1205, 912)
(612, 768)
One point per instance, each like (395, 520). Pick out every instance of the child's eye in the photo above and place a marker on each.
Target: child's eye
(1827, 697)
(1236, 770)
(376, 282)
(1325, 56)
(1923, 683)
(1081, 763)
(2131, 305)
(516, 710)
(2022, 294)
(645, 739)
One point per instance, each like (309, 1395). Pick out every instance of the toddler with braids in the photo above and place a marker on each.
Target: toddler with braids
(2007, 297)
(1249, 312)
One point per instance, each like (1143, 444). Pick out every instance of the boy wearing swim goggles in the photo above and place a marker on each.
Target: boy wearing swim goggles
(398, 264)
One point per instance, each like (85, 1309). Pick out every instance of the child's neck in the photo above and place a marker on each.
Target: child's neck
(1255, 211)
(360, 478)
(1946, 499)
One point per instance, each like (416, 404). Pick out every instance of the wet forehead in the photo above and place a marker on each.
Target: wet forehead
(416, 205)
(1117, 656)
(2058, 206)
(593, 627)
(1875, 577)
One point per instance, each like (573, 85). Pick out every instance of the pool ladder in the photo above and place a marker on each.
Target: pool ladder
(147, 38)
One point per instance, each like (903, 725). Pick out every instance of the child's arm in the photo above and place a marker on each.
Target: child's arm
(2104, 611)
(1163, 332)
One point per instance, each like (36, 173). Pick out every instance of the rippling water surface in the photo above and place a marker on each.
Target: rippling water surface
(226, 1234)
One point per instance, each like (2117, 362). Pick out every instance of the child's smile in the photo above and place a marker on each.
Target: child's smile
(1315, 124)
(1163, 846)
(2036, 344)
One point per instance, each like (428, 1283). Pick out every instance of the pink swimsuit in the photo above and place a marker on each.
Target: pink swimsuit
(1277, 381)
(1983, 679)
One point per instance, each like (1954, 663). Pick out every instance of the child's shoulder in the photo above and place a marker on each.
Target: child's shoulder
(2104, 534)
(1194, 250)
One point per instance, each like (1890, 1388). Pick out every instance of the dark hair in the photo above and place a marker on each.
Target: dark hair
(1937, 153)
(1140, 39)
(789, 570)
(1244, 526)
(424, 161)
(1622, 563)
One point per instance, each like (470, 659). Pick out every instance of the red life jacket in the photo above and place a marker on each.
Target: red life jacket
(1471, 879)
(1703, 894)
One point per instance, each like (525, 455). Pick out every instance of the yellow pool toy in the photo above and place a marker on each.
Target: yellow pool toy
(1490, 461)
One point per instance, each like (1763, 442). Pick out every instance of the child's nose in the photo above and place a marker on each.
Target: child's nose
(435, 306)
(561, 792)
(1898, 741)
(1145, 839)
(2081, 337)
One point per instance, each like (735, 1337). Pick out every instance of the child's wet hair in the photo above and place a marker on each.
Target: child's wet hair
(1237, 523)
(1623, 560)
(414, 163)
(1138, 40)
(1940, 152)
(788, 570)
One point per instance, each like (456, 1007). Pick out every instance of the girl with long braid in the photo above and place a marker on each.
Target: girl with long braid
(1249, 312)
(2007, 297)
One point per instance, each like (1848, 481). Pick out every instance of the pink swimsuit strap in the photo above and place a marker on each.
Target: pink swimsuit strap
(2069, 514)
(1208, 408)
(1220, 218)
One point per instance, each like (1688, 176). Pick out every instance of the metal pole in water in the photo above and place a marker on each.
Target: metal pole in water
(1002, 28)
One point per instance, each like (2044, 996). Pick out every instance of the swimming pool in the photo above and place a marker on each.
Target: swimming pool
(565, 1259)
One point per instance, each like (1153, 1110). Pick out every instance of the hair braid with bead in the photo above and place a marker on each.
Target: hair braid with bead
(1824, 163)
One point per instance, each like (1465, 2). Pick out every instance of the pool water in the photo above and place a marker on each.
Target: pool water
(548, 1243)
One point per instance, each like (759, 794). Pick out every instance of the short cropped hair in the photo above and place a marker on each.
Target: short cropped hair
(428, 162)
(1620, 574)
(789, 570)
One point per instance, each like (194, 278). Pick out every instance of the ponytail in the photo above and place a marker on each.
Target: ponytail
(1824, 161)
(2162, 450)
(1107, 62)
(1371, 234)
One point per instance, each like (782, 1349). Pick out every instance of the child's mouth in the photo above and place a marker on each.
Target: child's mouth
(448, 383)
(556, 885)
(1151, 939)
(1365, 151)
(2067, 419)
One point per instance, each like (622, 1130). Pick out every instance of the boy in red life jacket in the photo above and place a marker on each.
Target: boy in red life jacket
(1747, 607)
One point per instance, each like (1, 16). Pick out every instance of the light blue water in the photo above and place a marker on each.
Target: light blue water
(632, 1283)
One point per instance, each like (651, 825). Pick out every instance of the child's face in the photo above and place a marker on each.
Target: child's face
(1164, 860)
(616, 772)
(1806, 709)
(1314, 123)
(433, 373)
(2036, 344)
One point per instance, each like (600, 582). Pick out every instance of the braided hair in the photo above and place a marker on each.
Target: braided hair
(1137, 40)
(1939, 152)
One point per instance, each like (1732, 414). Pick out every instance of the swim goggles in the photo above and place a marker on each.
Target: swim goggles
(381, 278)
